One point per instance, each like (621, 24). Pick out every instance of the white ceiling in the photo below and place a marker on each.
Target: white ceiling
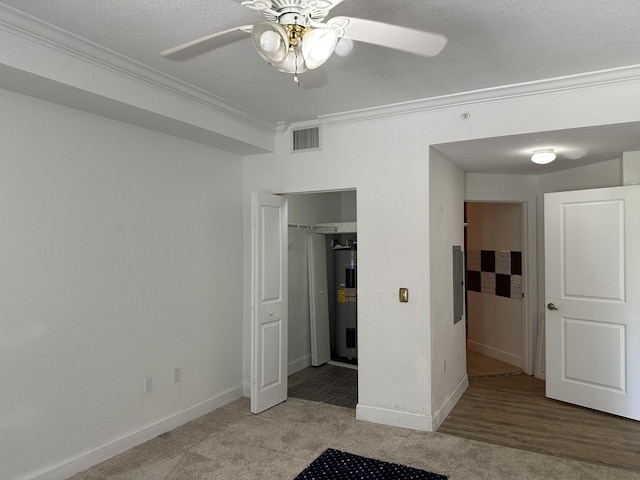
(575, 147)
(491, 43)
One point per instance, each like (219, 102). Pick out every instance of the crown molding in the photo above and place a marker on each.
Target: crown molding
(33, 29)
(629, 73)
(282, 127)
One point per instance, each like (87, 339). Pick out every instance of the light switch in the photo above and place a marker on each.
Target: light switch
(404, 295)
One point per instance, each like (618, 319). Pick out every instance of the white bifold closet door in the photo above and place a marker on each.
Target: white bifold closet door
(318, 299)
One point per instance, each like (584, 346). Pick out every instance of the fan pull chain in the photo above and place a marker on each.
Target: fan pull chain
(295, 74)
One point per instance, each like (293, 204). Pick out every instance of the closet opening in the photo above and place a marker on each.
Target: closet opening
(323, 296)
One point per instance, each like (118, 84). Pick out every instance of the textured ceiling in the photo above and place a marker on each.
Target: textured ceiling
(491, 43)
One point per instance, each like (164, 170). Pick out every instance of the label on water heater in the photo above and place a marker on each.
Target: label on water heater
(350, 295)
(347, 295)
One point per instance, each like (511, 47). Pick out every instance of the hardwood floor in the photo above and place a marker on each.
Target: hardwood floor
(479, 365)
(512, 411)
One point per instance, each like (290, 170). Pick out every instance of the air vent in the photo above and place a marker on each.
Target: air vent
(306, 139)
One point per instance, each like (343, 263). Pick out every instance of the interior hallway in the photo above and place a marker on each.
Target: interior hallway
(479, 365)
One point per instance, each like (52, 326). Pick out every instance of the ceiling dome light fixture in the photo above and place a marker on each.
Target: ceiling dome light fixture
(543, 156)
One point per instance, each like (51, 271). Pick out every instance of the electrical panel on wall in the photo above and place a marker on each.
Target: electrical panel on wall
(458, 283)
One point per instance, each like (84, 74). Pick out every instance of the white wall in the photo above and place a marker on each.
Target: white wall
(495, 323)
(312, 208)
(448, 355)
(385, 263)
(600, 175)
(119, 260)
(348, 206)
(385, 155)
(631, 168)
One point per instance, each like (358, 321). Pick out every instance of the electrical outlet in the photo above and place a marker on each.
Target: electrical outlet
(177, 375)
(148, 384)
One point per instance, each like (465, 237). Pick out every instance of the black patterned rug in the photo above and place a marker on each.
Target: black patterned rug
(337, 465)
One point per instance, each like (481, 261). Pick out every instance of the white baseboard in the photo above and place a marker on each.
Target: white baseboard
(246, 389)
(343, 365)
(492, 352)
(442, 413)
(395, 418)
(299, 364)
(84, 460)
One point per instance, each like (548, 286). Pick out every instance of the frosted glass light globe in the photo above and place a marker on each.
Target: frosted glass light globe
(344, 47)
(270, 41)
(318, 45)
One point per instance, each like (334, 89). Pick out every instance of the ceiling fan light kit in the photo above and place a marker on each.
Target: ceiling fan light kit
(294, 39)
(318, 45)
(269, 41)
(293, 48)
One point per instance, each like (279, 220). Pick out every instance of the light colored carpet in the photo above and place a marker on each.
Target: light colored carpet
(232, 444)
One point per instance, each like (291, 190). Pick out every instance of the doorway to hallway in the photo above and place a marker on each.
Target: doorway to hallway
(494, 287)
(480, 365)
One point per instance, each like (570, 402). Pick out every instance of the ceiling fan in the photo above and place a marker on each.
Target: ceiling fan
(294, 38)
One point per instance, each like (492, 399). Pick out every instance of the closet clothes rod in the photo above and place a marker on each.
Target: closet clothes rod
(312, 227)
(305, 229)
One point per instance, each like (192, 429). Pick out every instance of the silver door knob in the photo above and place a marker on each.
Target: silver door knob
(551, 306)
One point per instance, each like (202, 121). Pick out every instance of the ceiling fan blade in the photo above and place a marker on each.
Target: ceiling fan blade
(334, 3)
(204, 44)
(390, 36)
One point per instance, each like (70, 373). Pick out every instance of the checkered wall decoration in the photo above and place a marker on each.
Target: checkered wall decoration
(495, 272)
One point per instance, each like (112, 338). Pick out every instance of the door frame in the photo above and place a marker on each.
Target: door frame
(285, 194)
(528, 204)
(246, 324)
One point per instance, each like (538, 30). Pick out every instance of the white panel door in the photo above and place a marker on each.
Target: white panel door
(592, 277)
(268, 301)
(318, 299)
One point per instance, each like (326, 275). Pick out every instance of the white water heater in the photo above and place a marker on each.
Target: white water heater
(346, 312)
